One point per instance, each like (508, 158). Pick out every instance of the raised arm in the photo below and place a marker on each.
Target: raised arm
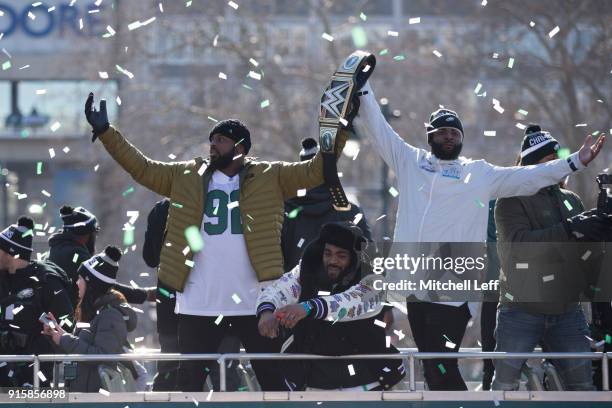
(528, 180)
(371, 123)
(154, 175)
(307, 174)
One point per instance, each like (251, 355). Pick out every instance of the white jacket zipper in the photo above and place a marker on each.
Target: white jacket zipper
(433, 182)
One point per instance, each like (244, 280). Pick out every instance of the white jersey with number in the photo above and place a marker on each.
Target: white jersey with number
(222, 281)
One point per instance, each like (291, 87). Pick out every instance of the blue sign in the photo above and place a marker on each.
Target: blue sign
(63, 18)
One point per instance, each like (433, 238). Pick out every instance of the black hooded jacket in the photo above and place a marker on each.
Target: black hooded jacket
(335, 339)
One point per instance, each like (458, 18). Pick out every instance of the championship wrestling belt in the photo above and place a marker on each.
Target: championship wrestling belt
(338, 108)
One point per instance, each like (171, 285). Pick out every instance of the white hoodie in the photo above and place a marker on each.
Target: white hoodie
(447, 200)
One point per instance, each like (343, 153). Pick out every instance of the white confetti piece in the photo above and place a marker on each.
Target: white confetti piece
(327, 37)
(581, 125)
(392, 33)
(202, 169)
(186, 250)
(351, 369)
(467, 178)
(118, 100)
(553, 32)
(110, 30)
(52, 152)
(522, 266)
(233, 204)
(103, 74)
(222, 75)
(414, 20)
(450, 345)
(218, 320)
(254, 75)
(104, 392)
(509, 297)
(521, 126)
(161, 8)
(381, 217)
(233, 5)
(523, 112)
(484, 3)
(195, 401)
(41, 91)
(548, 278)
(586, 255)
(124, 71)
(31, 15)
(358, 218)
(531, 24)
(253, 62)
(380, 323)
(209, 396)
(393, 191)
(400, 334)
(45, 193)
(55, 126)
(388, 341)
(66, 149)
(478, 88)
(17, 309)
(510, 63)
(301, 192)
(172, 156)
(236, 299)
(323, 293)
(96, 167)
(437, 53)
(490, 132)
(189, 263)
(264, 104)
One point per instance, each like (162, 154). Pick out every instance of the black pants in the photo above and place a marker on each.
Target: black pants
(488, 319)
(200, 334)
(167, 329)
(430, 323)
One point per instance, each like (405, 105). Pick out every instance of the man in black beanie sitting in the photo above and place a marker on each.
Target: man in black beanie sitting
(75, 242)
(28, 289)
(544, 272)
(332, 263)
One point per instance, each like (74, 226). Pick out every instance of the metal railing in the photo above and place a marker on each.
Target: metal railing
(411, 356)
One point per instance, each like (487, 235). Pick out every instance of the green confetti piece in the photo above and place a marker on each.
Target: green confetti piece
(128, 236)
(399, 58)
(568, 205)
(360, 38)
(480, 203)
(265, 104)
(384, 52)
(128, 191)
(243, 388)
(441, 368)
(247, 87)
(509, 297)
(608, 339)
(187, 171)
(177, 205)
(563, 153)
(6, 65)
(194, 238)
(39, 167)
(75, 258)
(28, 233)
(595, 133)
(24, 133)
(523, 112)
(363, 16)
(189, 263)
(294, 213)
(164, 292)
(510, 63)
(595, 288)
(341, 313)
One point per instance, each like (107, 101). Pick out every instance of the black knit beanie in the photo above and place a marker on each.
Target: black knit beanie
(235, 130)
(78, 220)
(309, 149)
(16, 239)
(443, 118)
(100, 271)
(537, 144)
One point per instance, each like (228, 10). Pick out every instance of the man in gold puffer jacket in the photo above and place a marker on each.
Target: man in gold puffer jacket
(223, 233)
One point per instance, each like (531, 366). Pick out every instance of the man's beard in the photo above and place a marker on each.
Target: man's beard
(442, 154)
(222, 161)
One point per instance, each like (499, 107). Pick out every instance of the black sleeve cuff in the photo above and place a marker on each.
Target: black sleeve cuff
(263, 307)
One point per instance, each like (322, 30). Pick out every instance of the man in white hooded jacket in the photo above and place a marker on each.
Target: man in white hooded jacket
(439, 183)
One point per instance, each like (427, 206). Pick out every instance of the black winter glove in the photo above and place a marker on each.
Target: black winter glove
(590, 226)
(97, 119)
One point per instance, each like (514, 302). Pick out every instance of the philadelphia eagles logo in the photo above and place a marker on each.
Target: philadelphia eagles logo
(333, 101)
